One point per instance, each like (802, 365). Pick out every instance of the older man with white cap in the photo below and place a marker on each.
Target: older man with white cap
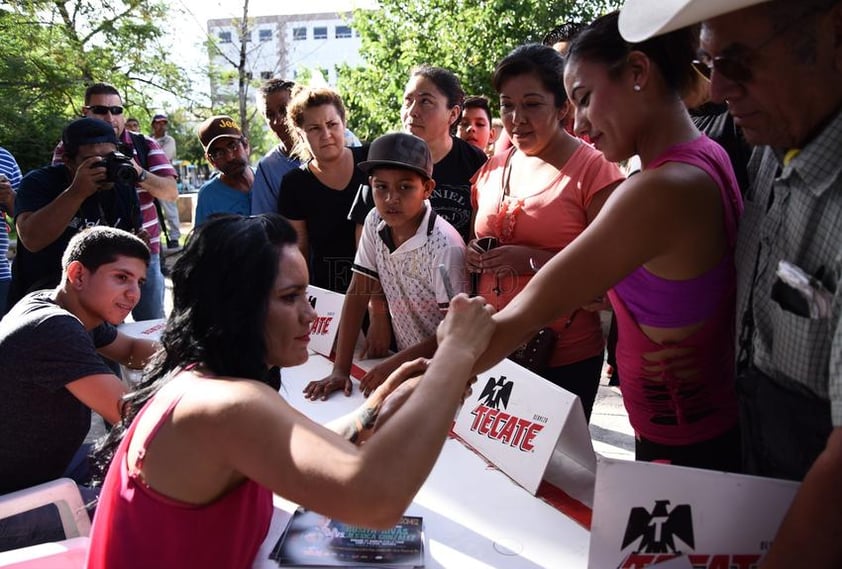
(778, 66)
(168, 209)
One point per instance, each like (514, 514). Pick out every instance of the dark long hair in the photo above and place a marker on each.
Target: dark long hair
(672, 53)
(445, 81)
(542, 61)
(221, 287)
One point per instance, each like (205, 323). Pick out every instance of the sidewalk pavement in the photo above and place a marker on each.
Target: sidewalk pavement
(611, 432)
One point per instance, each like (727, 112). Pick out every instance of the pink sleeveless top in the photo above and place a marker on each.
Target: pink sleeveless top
(683, 393)
(136, 527)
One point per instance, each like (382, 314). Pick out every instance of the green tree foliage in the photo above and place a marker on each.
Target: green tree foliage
(466, 36)
(53, 49)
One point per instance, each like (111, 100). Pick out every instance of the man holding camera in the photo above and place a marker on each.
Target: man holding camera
(93, 186)
(156, 179)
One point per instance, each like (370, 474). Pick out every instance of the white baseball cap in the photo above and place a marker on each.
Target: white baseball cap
(643, 19)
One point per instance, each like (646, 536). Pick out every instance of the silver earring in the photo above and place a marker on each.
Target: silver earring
(636, 87)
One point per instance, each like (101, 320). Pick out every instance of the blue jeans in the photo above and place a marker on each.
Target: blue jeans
(43, 524)
(170, 210)
(151, 305)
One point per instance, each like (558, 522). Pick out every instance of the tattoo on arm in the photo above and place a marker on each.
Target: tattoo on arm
(363, 420)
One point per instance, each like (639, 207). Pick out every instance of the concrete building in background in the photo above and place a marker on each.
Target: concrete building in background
(284, 46)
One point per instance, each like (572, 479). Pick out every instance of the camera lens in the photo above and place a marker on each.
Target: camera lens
(125, 174)
(119, 169)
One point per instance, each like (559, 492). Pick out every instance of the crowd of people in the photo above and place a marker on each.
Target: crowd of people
(621, 179)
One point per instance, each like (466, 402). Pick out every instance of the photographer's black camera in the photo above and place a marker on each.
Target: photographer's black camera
(119, 169)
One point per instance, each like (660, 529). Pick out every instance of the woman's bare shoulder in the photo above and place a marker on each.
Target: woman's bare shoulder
(675, 176)
(670, 189)
(224, 399)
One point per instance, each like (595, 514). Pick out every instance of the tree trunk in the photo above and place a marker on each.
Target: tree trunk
(242, 93)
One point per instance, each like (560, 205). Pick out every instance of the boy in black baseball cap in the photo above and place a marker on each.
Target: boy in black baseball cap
(402, 246)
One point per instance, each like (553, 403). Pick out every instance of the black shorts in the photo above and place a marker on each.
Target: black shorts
(718, 453)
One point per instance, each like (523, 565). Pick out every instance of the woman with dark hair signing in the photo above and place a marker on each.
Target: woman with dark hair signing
(207, 438)
(664, 241)
(534, 200)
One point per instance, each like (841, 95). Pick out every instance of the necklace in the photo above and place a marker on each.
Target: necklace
(508, 208)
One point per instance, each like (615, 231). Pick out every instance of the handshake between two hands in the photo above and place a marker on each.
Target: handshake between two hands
(468, 328)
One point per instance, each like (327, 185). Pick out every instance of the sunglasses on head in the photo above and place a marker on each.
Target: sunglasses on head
(105, 109)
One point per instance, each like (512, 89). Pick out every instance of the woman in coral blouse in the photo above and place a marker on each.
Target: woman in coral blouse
(534, 200)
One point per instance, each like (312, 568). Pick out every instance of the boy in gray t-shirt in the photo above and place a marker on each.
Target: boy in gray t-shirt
(53, 376)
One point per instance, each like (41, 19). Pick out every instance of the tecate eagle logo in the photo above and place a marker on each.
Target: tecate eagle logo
(492, 421)
(665, 533)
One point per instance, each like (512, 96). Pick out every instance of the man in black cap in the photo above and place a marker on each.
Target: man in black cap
(407, 253)
(55, 202)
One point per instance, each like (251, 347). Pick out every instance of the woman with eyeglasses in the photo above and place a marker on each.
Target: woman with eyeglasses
(663, 244)
(533, 201)
(317, 195)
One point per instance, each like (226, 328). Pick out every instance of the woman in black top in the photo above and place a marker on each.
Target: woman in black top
(432, 106)
(316, 196)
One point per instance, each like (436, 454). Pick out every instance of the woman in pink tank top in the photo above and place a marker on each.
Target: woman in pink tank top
(664, 241)
(207, 438)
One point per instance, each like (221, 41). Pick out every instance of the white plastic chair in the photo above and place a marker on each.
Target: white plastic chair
(67, 554)
(62, 492)
(75, 521)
